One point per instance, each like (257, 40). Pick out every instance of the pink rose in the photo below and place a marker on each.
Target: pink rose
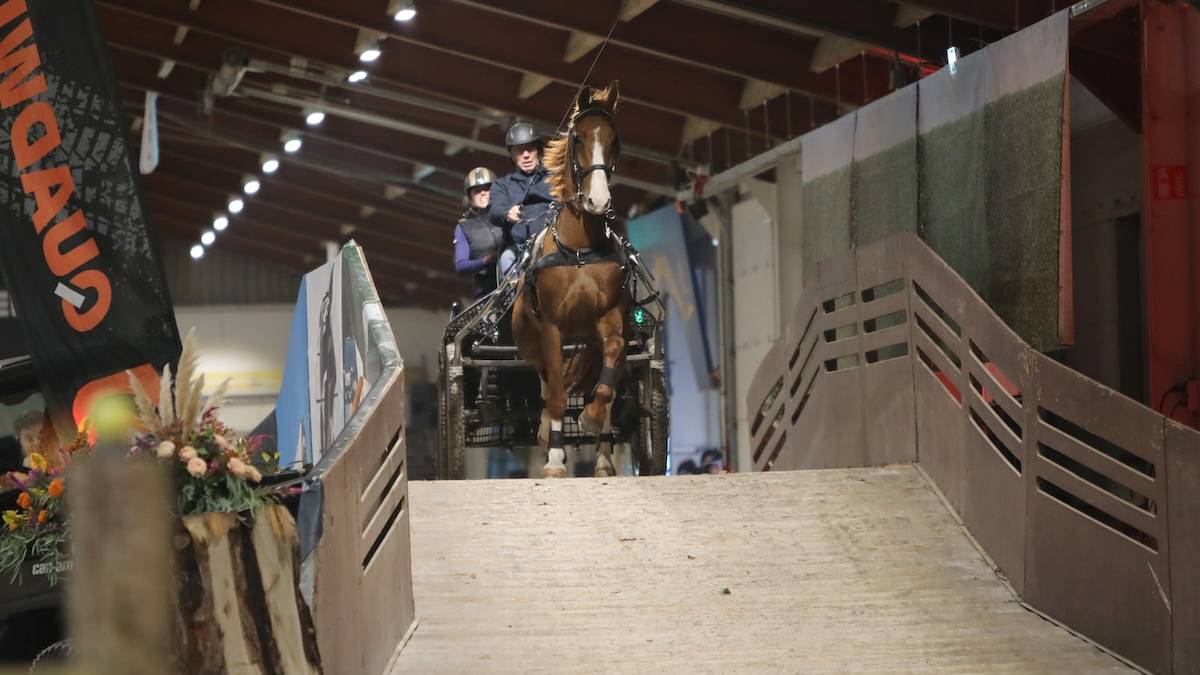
(196, 467)
(188, 453)
(165, 449)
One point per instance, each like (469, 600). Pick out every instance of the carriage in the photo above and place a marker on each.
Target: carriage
(489, 397)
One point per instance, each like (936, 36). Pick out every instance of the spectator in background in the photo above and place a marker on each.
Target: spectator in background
(687, 468)
(36, 434)
(712, 462)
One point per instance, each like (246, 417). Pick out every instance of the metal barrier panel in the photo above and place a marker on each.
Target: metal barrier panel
(1182, 447)
(836, 405)
(362, 587)
(995, 362)
(1061, 480)
(884, 345)
(1096, 549)
(938, 379)
(803, 338)
(766, 433)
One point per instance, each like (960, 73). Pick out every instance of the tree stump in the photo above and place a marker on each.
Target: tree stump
(238, 607)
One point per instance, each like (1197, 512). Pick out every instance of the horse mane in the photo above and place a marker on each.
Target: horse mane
(554, 157)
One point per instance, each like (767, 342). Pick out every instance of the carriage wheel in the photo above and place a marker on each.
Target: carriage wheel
(650, 451)
(453, 434)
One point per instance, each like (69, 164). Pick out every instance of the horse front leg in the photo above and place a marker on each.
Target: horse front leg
(597, 416)
(555, 398)
(604, 461)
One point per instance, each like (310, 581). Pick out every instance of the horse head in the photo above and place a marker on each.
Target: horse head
(584, 160)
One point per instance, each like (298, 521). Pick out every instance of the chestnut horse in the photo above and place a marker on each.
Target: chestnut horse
(576, 289)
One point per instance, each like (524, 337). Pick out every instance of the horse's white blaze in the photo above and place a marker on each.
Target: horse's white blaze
(598, 197)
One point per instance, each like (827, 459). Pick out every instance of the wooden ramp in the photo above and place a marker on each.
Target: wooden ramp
(807, 571)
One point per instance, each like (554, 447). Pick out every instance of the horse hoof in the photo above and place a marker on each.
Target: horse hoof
(554, 471)
(604, 473)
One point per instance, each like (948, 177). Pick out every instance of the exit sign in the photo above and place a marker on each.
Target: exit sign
(1169, 182)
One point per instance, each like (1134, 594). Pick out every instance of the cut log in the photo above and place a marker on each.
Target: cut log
(239, 608)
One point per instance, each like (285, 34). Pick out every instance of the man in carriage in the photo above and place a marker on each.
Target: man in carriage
(521, 200)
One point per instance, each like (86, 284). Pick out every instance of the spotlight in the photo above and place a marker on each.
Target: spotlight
(220, 223)
(291, 141)
(314, 117)
(269, 164)
(208, 238)
(402, 10)
(197, 252)
(367, 45)
(250, 184)
(235, 205)
(357, 76)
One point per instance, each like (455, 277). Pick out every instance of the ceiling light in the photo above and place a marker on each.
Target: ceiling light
(208, 238)
(291, 141)
(402, 10)
(250, 184)
(197, 252)
(235, 205)
(314, 117)
(220, 223)
(366, 45)
(269, 164)
(357, 76)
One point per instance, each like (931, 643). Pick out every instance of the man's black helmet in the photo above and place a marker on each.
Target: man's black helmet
(478, 177)
(520, 134)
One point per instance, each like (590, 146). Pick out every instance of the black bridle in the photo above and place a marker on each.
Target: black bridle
(578, 173)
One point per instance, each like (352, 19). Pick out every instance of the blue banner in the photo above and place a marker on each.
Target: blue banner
(680, 256)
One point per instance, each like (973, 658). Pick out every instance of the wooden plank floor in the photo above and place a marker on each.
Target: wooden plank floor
(809, 571)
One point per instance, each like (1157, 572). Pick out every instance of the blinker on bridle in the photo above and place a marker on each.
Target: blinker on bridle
(578, 173)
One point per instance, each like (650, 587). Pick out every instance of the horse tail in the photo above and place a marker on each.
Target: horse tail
(581, 370)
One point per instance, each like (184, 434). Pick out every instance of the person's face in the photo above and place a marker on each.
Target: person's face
(29, 439)
(525, 156)
(480, 196)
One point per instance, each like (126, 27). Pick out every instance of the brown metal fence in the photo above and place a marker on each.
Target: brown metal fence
(1088, 502)
(362, 592)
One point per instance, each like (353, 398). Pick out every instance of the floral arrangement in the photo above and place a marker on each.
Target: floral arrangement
(38, 527)
(212, 470)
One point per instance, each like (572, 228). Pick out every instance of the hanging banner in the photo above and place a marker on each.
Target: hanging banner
(995, 183)
(826, 157)
(77, 256)
(883, 193)
(665, 241)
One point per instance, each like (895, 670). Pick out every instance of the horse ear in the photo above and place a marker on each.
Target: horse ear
(614, 95)
(584, 99)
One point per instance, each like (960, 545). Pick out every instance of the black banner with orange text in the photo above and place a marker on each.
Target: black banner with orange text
(76, 250)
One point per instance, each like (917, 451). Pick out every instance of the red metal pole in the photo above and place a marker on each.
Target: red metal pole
(1169, 222)
(1192, 38)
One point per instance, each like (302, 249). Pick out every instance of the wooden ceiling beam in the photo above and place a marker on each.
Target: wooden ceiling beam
(433, 74)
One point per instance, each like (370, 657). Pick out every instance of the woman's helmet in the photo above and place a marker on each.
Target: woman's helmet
(478, 177)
